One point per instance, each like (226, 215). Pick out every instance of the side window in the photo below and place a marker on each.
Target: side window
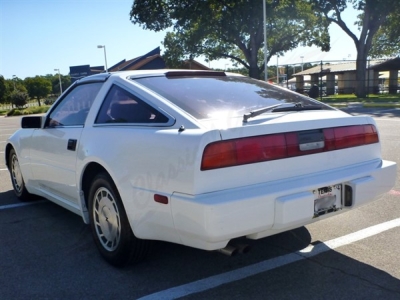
(74, 107)
(122, 107)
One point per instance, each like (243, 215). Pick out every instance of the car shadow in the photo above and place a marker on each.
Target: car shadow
(9, 198)
(56, 246)
(323, 273)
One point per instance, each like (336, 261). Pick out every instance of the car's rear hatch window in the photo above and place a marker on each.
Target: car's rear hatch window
(211, 96)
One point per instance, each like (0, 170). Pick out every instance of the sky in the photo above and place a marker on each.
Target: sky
(38, 36)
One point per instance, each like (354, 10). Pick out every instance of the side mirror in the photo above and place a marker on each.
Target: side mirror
(33, 122)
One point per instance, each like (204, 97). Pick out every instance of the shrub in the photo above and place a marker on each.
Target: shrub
(10, 112)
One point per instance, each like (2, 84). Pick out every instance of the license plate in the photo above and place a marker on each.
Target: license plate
(327, 199)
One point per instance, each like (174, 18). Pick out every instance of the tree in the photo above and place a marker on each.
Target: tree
(387, 40)
(38, 87)
(231, 29)
(11, 85)
(373, 16)
(19, 99)
(55, 82)
(2, 89)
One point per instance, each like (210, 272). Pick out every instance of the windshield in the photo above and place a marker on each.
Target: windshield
(211, 97)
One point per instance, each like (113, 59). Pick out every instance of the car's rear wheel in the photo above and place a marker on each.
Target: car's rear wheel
(110, 226)
(17, 179)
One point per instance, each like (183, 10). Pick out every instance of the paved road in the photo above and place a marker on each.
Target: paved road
(47, 252)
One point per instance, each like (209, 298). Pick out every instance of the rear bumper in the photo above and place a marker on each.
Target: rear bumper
(209, 221)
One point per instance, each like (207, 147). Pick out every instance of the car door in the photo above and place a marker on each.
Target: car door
(54, 147)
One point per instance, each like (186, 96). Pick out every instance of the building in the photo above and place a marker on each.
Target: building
(78, 72)
(148, 61)
(341, 77)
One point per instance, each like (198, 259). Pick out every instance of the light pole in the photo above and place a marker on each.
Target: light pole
(302, 62)
(105, 55)
(265, 40)
(277, 69)
(59, 79)
(13, 78)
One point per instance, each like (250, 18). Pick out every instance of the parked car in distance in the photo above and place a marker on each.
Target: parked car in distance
(196, 158)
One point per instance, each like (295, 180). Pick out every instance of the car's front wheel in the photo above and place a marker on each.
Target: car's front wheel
(16, 178)
(110, 226)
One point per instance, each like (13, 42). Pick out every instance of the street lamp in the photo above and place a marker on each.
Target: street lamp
(265, 40)
(302, 62)
(105, 55)
(277, 69)
(59, 79)
(13, 78)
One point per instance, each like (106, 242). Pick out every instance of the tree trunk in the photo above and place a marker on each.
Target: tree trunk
(254, 72)
(361, 66)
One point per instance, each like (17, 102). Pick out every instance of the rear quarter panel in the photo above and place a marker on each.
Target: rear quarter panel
(143, 162)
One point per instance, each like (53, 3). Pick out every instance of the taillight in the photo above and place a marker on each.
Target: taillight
(261, 148)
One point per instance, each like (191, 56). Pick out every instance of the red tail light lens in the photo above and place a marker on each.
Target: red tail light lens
(219, 155)
(277, 146)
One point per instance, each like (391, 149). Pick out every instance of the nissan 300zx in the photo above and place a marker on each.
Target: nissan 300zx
(196, 158)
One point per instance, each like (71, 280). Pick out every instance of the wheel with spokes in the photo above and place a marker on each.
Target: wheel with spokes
(17, 179)
(110, 226)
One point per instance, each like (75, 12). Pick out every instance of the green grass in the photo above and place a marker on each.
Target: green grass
(25, 111)
(376, 98)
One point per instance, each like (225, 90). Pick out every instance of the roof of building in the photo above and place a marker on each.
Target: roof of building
(378, 65)
(192, 64)
(137, 62)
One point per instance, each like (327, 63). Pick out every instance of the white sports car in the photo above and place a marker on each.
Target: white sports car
(196, 158)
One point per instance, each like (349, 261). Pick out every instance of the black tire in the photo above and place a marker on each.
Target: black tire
(17, 179)
(110, 226)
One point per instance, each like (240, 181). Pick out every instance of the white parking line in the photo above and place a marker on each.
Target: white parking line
(8, 206)
(267, 265)
(3, 169)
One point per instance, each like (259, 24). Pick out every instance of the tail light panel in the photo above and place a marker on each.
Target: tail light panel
(263, 148)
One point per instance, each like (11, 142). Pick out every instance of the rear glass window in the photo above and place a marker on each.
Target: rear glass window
(209, 97)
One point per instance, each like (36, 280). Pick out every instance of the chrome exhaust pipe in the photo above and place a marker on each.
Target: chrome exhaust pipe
(228, 250)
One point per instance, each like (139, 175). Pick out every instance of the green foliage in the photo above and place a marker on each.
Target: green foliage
(37, 110)
(14, 112)
(55, 82)
(231, 29)
(373, 16)
(19, 99)
(387, 40)
(9, 87)
(28, 111)
(38, 87)
(50, 100)
(2, 89)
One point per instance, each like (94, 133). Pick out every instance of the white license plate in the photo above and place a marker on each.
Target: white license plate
(327, 199)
